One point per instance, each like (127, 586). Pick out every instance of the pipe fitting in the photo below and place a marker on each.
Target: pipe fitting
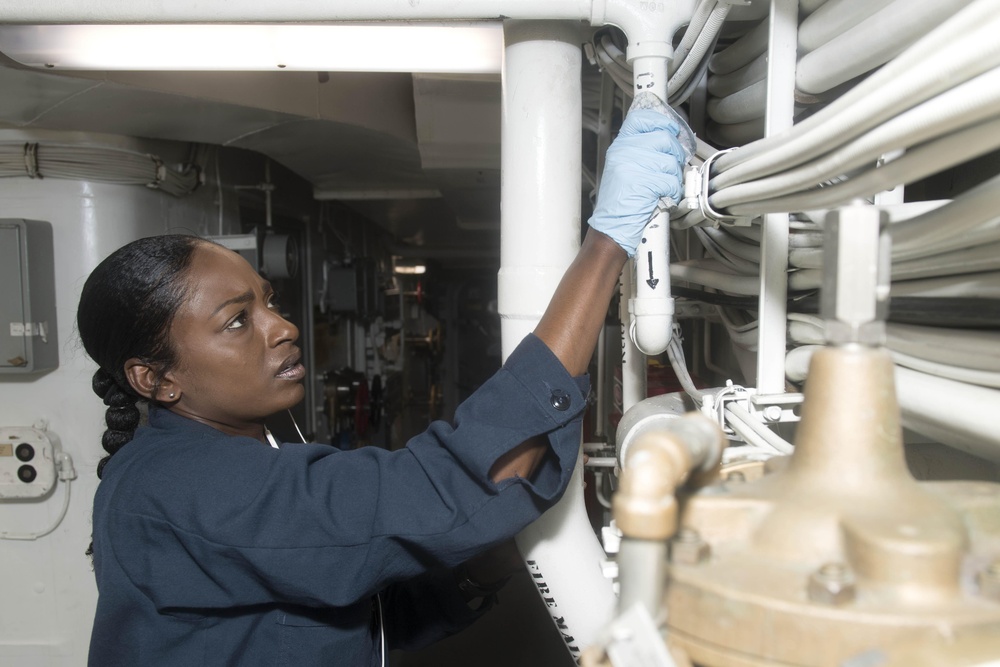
(648, 24)
(659, 462)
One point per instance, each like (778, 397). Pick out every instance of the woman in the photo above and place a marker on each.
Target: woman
(212, 548)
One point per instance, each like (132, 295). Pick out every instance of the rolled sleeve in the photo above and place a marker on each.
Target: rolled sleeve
(532, 394)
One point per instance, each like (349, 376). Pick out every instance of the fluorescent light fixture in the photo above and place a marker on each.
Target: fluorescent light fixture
(374, 194)
(353, 47)
(411, 269)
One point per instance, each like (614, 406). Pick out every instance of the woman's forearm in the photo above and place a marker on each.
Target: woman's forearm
(573, 320)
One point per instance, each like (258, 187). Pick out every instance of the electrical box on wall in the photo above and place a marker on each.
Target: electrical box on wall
(28, 338)
(27, 463)
(354, 289)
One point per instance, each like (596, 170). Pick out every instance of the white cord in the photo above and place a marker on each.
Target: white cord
(296, 425)
(381, 627)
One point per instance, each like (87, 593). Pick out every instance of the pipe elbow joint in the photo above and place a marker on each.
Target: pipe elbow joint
(652, 323)
(645, 506)
(658, 454)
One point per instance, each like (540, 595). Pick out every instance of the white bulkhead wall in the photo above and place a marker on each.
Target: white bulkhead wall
(49, 594)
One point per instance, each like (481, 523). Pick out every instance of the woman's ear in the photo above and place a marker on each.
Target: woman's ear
(146, 381)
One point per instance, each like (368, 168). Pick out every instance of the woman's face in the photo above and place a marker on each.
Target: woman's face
(237, 361)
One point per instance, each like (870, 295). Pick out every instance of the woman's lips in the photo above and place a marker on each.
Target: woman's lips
(296, 372)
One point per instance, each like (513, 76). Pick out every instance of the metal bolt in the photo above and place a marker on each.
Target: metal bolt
(687, 548)
(989, 581)
(832, 583)
(772, 413)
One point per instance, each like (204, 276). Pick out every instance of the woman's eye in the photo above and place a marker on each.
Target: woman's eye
(238, 321)
(272, 301)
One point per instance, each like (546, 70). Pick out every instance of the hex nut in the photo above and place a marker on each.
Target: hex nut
(832, 584)
(687, 548)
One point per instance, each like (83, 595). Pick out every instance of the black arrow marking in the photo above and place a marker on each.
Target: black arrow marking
(652, 282)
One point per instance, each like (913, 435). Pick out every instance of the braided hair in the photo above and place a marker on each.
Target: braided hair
(126, 309)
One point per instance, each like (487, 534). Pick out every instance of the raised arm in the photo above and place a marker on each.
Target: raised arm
(644, 164)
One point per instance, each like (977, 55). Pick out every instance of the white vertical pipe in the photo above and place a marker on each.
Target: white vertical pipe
(540, 236)
(652, 309)
(540, 157)
(783, 25)
(605, 113)
(633, 361)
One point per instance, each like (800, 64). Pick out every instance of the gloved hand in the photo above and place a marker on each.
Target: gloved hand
(644, 163)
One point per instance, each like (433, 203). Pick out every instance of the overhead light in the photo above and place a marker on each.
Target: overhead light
(352, 47)
(357, 194)
(411, 269)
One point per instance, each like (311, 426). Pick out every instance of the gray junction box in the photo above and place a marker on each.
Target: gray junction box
(29, 341)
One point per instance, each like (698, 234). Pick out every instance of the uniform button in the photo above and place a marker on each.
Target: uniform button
(560, 399)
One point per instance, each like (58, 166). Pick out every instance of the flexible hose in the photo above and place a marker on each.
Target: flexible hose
(947, 225)
(721, 254)
(771, 439)
(722, 85)
(702, 45)
(742, 51)
(978, 350)
(958, 50)
(733, 245)
(956, 373)
(929, 158)
(834, 18)
(870, 43)
(743, 105)
(692, 32)
(977, 259)
(712, 277)
(807, 7)
(964, 105)
(737, 134)
(983, 285)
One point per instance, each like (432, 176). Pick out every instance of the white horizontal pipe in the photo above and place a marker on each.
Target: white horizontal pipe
(957, 414)
(649, 32)
(254, 11)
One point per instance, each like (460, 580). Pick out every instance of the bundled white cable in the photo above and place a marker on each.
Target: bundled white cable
(961, 48)
(93, 163)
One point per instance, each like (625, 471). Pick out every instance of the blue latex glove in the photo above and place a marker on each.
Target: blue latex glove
(644, 163)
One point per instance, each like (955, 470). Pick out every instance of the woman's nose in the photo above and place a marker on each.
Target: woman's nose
(281, 330)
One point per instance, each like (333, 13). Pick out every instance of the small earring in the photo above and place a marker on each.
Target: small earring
(171, 394)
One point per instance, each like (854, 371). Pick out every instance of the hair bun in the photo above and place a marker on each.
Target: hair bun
(102, 382)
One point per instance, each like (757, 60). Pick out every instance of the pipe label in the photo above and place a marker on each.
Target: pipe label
(550, 603)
